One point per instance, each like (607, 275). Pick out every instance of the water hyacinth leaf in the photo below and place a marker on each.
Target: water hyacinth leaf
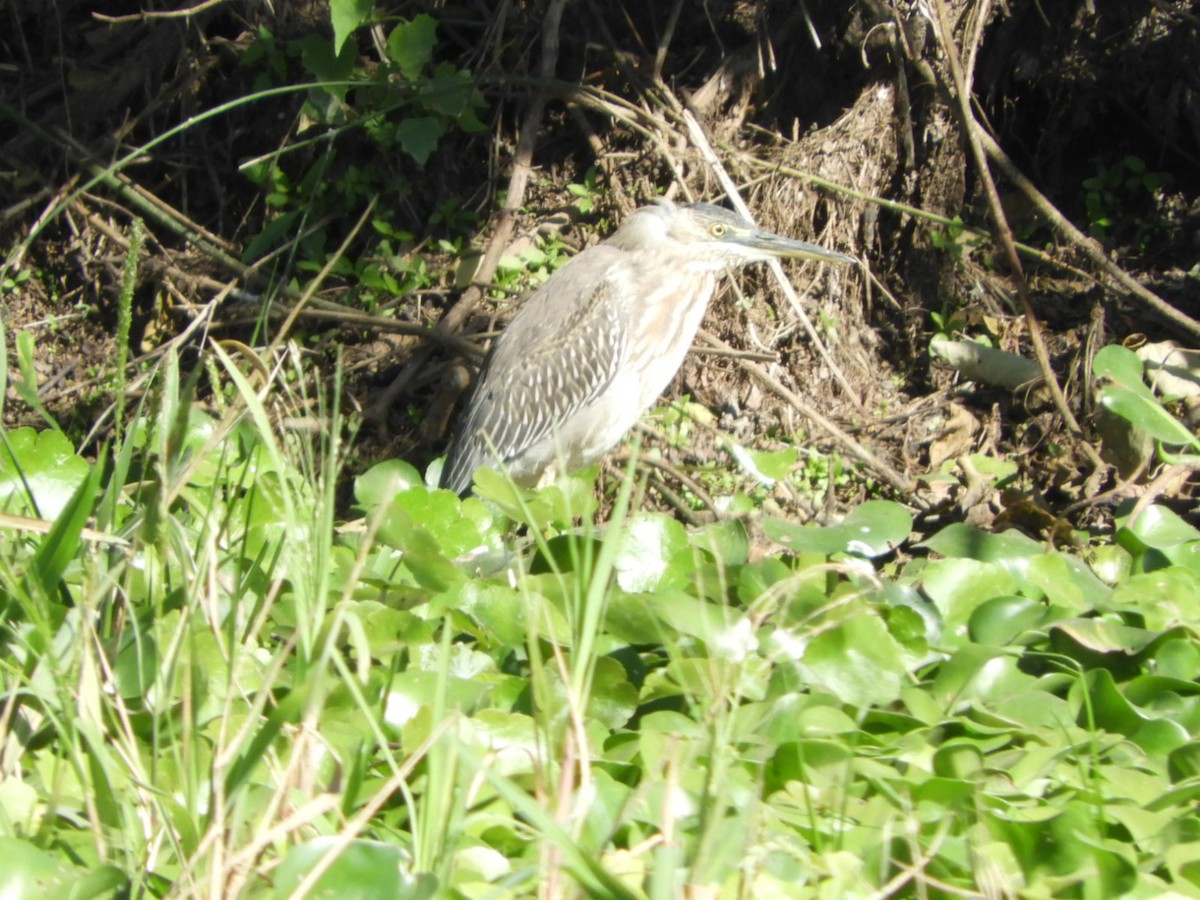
(41, 471)
(688, 615)
(1148, 415)
(649, 543)
(727, 542)
(924, 623)
(629, 618)
(408, 692)
(858, 662)
(1108, 709)
(807, 762)
(1066, 582)
(380, 483)
(1000, 621)
(29, 872)
(1178, 660)
(1157, 527)
(613, 700)
(1101, 636)
(962, 541)
(1163, 598)
(1111, 563)
(1160, 736)
(1033, 709)
(1184, 762)
(499, 609)
(958, 758)
(1184, 555)
(796, 716)
(872, 529)
(421, 552)
(960, 586)
(361, 870)
(959, 671)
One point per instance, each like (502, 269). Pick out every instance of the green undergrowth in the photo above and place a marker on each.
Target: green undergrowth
(213, 685)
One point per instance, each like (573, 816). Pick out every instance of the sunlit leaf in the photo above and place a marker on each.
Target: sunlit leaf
(40, 472)
(858, 662)
(361, 870)
(649, 543)
(870, 529)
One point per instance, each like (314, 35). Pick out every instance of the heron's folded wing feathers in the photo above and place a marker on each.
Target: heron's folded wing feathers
(556, 357)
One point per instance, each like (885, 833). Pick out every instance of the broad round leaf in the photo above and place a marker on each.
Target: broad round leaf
(1159, 528)
(363, 870)
(41, 470)
(871, 529)
(380, 483)
(649, 542)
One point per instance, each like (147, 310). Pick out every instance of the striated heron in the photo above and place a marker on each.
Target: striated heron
(592, 348)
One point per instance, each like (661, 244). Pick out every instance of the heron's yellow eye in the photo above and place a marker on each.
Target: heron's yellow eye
(718, 230)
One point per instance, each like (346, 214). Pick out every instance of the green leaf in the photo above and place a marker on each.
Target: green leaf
(958, 587)
(329, 63)
(27, 386)
(346, 16)
(410, 45)
(968, 542)
(649, 542)
(380, 483)
(1184, 762)
(361, 870)
(727, 542)
(871, 529)
(1123, 367)
(422, 553)
(40, 471)
(136, 666)
(613, 700)
(29, 873)
(61, 545)
(858, 662)
(419, 136)
(1157, 527)
(1148, 415)
(1002, 620)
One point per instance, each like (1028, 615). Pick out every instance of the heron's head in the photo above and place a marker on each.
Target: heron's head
(710, 236)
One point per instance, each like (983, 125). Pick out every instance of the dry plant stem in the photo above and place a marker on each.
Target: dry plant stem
(1004, 234)
(674, 501)
(519, 178)
(142, 199)
(518, 181)
(1156, 488)
(731, 190)
(853, 447)
(894, 206)
(168, 14)
(682, 477)
(1090, 248)
(729, 353)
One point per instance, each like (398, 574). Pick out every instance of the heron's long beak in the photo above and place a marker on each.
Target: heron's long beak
(787, 248)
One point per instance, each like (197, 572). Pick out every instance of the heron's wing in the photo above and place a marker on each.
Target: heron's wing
(557, 355)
